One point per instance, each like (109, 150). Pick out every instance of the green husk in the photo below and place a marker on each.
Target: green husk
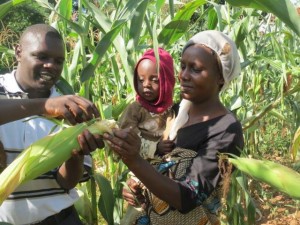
(46, 154)
(276, 175)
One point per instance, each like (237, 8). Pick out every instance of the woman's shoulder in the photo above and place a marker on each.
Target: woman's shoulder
(225, 123)
(230, 117)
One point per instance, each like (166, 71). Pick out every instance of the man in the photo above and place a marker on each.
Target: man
(48, 199)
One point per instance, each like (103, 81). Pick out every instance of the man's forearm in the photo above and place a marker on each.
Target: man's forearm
(71, 172)
(14, 109)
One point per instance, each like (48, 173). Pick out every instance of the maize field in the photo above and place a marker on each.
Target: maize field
(104, 40)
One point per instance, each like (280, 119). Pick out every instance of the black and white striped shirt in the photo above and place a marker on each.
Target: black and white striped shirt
(43, 196)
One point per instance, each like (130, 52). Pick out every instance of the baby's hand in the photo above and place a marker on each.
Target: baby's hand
(165, 146)
(133, 195)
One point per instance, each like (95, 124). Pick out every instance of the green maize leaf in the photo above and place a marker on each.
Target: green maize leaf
(106, 201)
(46, 154)
(100, 51)
(137, 22)
(64, 87)
(120, 107)
(65, 8)
(277, 114)
(242, 32)
(249, 201)
(6, 50)
(129, 10)
(83, 205)
(105, 25)
(276, 175)
(283, 9)
(212, 19)
(179, 25)
(159, 4)
(7, 5)
(75, 61)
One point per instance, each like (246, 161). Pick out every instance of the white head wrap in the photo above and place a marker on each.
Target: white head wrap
(227, 52)
(225, 49)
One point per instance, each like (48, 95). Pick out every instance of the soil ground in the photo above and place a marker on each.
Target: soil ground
(275, 207)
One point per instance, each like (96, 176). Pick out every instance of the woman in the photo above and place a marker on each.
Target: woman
(209, 61)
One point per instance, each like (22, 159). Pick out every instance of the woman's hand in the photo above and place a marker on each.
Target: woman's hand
(126, 143)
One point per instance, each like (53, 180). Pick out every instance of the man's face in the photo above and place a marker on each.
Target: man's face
(40, 63)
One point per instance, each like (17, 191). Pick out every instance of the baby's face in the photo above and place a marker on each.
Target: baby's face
(147, 80)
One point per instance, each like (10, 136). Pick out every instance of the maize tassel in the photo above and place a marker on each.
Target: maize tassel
(276, 175)
(46, 154)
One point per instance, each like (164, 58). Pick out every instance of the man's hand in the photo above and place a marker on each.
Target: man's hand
(73, 108)
(89, 142)
(71, 171)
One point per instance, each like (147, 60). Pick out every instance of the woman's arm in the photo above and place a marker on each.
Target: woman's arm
(127, 144)
(200, 180)
(161, 186)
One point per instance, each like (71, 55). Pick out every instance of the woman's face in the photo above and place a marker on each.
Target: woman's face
(200, 77)
(147, 80)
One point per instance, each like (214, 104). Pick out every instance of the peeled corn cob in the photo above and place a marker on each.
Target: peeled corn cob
(276, 175)
(47, 154)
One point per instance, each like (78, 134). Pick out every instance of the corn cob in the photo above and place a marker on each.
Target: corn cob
(276, 175)
(46, 154)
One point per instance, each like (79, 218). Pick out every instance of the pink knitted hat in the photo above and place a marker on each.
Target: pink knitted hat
(166, 81)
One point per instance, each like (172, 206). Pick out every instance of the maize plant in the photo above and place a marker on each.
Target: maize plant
(296, 144)
(47, 154)
(276, 175)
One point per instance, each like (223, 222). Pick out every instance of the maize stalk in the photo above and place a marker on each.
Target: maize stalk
(276, 175)
(46, 154)
(296, 144)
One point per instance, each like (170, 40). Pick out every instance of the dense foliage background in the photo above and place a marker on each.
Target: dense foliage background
(105, 38)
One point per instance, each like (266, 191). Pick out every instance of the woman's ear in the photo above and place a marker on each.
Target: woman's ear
(221, 82)
(18, 50)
